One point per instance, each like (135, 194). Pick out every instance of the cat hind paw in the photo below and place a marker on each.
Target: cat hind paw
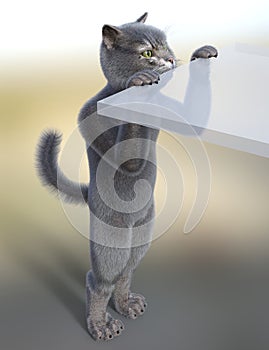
(132, 308)
(105, 331)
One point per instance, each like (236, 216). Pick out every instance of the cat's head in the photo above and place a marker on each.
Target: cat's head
(131, 48)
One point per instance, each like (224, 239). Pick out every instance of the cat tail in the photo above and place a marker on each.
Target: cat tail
(50, 173)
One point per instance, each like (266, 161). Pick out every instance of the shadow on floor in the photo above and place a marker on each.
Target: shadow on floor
(52, 263)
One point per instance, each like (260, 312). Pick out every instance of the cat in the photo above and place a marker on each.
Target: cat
(132, 54)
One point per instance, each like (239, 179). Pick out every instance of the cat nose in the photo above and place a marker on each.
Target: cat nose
(172, 61)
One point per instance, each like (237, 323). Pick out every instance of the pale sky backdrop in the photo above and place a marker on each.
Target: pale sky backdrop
(56, 26)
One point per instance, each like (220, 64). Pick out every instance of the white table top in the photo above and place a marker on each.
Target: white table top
(224, 101)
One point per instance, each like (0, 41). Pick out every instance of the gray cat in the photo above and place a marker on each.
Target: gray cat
(132, 54)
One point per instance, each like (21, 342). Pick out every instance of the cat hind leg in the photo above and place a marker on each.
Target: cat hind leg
(101, 325)
(107, 263)
(124, 301)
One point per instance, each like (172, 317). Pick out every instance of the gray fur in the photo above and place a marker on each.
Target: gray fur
(51, 175)
(118, 240)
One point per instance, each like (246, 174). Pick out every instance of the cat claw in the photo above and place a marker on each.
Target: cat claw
(206, 51)
(105, 330)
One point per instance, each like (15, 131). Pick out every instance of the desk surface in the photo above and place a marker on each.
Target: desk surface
(223, 101)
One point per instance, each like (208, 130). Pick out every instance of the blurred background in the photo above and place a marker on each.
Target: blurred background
(205, 290)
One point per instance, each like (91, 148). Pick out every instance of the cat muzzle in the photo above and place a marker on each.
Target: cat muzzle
(166, 65)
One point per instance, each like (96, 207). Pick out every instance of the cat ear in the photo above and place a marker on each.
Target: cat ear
(110, 34)
(143, 18)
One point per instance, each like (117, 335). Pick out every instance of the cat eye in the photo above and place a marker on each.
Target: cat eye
(147, 53)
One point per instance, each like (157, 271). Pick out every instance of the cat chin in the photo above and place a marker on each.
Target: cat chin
(164, 69)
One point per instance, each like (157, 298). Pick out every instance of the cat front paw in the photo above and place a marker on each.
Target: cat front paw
(145, 77)
(206, 51)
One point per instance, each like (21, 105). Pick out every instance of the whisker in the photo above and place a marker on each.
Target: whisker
(179, 60)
